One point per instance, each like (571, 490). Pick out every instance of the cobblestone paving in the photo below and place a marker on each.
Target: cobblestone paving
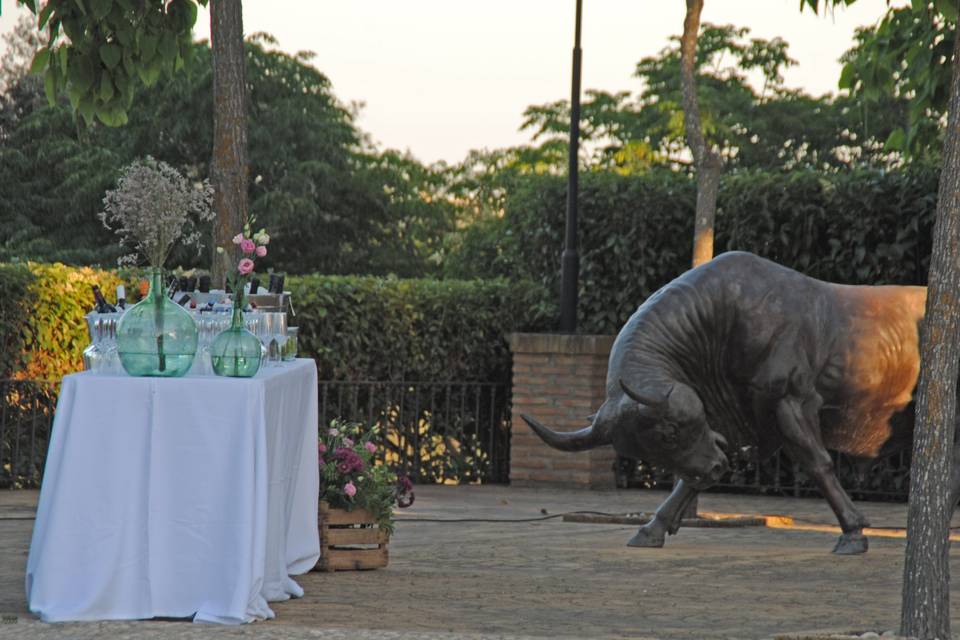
(499, 580)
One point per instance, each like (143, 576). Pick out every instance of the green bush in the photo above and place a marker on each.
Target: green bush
(366, 328)
(44, 332)
(15, 283)
(857, 227)
(357, 328)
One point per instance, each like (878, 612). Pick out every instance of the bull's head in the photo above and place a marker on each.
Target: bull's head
(668, 427)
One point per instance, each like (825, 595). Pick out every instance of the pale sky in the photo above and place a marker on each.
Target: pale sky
(441, 77)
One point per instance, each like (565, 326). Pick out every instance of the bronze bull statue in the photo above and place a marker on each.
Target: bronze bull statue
(745, 351)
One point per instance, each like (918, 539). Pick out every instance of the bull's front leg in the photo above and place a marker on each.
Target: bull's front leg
(667, 518)
(799, 423)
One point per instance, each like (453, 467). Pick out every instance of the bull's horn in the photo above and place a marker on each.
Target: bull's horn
(644, 398)
(581, 440)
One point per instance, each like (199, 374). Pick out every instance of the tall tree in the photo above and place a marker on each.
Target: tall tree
(228, 166)
(707, 161)
(925, 610)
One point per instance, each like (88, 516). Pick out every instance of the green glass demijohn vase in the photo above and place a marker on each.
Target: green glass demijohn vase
(236, 352)
(156, 336)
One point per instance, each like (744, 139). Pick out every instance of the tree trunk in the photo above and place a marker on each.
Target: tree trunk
(706, 160)
(228, 167)
(926, 571)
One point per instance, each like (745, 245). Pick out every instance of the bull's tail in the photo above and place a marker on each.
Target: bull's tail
(581, 440)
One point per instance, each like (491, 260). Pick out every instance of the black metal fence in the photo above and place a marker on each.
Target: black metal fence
(443, 432)
(435, 432)
(885, 479)
(26, 417)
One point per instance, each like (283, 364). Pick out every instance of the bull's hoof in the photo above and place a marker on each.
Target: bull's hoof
(649, 535)
(851, 544)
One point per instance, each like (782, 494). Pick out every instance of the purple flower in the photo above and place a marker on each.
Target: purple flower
(349, 489)
(322, 448)
(322, 461)
(347, 460)
(369, 446)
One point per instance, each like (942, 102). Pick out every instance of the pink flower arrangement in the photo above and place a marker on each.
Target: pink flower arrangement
(353, 477)
(252, 246)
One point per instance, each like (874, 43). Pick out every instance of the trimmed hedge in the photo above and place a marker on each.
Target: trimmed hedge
(366, 328)
(44, 333)
(357, 328)
(856, 227)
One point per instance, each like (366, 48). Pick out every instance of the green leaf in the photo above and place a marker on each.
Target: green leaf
(76, 94)
(948, 8)
(847, 77)
(111, 54)
(40, 60)
(106, 88)
(168, 47)
(63, 52)
(112, 116)
(150, 73)
(82, 73)
(124, 34)
(80, 6)
(45, 14)
(50, 86)
(148, 47)
(86, 108)
(896, 140)
(101, 8)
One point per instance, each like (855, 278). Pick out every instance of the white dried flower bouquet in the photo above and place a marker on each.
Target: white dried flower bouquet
(153, 207)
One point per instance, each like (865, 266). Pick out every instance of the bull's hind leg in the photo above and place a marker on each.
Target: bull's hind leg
(667, 518)
(798, 422)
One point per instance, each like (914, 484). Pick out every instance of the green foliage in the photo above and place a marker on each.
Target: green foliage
(332, 205)
(109, 46)
(772, 127)
(364, 328)
(48, 340)
(905, 60)
(864, 227)
(15, 311)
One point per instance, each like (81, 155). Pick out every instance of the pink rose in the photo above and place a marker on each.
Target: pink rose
(322, 447)
(348, 442)
(369, 446)
(261, 251)
(349, 489)
(237, 239)
(245, 266)
(247, 246)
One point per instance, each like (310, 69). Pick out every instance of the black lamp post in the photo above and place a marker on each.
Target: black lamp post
(571, 260)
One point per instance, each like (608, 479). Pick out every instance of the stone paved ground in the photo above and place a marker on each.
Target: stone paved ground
(487, 580)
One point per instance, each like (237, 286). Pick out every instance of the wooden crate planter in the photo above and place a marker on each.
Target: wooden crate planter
(350, 540)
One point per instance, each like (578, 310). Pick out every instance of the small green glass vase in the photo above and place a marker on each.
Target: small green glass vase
(236, 352)
(156, 337)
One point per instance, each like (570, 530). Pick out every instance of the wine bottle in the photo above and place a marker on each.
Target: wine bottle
(102, 306)
(254, 286)
(121, 297)
(204, 284)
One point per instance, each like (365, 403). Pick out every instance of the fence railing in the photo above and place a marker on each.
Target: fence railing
(26, 417)
(443, 432)
(435, 432)
(885, 479)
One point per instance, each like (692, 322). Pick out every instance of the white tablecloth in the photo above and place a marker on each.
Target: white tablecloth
(184, 497)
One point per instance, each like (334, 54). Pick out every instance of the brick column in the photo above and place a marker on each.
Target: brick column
(559, 380)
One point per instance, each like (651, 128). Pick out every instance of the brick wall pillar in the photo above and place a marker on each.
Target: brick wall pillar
(559, 380)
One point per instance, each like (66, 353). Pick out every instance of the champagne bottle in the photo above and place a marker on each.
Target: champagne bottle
(121, 297)
(102, 306)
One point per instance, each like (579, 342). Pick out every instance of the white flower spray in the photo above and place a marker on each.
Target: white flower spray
(154, 207)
